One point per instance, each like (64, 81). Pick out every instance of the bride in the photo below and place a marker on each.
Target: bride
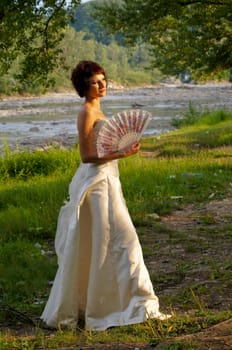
(101, 276)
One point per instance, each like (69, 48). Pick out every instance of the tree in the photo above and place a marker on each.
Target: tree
(184, 34)
(30, 30)
(84, 22)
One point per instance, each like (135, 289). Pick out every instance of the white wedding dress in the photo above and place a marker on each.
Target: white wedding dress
(101, 274)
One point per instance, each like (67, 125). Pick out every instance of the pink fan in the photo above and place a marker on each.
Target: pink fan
(121, 131)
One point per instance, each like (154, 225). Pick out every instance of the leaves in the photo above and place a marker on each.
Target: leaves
(31, 31)
(185, 34)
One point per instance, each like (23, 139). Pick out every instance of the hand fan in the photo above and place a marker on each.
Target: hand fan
(121, 131)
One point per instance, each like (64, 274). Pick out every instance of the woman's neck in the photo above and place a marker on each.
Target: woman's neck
(93, 104)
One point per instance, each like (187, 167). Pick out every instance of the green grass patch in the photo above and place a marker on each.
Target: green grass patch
(196, 116)
(25, 270)
(161, 185)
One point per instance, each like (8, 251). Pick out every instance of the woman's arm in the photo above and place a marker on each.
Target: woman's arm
(85, 123)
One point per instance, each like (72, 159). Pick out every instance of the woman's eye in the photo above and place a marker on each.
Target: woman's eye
(98, 82)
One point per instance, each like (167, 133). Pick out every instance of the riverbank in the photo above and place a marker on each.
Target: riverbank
(40, 121)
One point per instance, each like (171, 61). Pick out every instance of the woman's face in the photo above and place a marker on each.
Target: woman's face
(97, 86)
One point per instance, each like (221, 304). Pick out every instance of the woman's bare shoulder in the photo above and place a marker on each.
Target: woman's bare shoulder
(86, 118)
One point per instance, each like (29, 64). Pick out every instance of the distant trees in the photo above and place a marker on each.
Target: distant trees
(30, 32)
(83, 21)
(121, 64)
(183, 34)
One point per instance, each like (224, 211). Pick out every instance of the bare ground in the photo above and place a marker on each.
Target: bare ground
(211, 257)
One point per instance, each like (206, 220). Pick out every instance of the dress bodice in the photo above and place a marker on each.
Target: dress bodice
(96, 129)
(97, 126)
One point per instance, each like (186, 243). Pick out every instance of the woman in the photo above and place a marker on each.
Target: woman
(101, 276)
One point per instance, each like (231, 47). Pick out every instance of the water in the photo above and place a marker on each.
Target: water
(38, 121)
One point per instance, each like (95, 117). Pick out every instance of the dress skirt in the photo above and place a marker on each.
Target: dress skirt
(101, 274)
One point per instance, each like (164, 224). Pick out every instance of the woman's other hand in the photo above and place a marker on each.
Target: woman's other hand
(130, 150)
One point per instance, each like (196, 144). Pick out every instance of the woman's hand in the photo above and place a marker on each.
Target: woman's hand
(130, 150)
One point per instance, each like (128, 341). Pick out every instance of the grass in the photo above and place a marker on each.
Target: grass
(190, 165)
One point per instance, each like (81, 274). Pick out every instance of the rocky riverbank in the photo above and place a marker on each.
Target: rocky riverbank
(39, 121)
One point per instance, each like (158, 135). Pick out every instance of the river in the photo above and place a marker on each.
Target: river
(28, 123)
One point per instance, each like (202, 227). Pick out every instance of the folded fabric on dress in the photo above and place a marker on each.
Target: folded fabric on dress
(101, 273)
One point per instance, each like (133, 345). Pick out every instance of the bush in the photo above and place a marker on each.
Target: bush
(195, 116)
(24, 165)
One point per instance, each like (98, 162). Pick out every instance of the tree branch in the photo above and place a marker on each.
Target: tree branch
(56, 9)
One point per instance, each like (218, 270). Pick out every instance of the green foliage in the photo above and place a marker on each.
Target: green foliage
(32, 32)
(41, 56)
(84, 22)
(195, 116)
(193, 35)
(122, 65)
(38, 48)
(166, 180)
(32, 208)
(20, 262)
(189, 117)
(206, 128)
(214, 117)
(23, 165)
(39, 185)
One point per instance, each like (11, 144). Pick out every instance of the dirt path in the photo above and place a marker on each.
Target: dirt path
(218, 337)
(197, 224)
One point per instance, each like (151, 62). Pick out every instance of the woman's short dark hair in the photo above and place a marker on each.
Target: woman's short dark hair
(81, 74)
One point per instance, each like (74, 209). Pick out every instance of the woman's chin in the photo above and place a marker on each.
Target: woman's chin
(102, 92)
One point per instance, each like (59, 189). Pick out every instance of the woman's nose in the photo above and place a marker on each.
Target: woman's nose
(101, 84)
